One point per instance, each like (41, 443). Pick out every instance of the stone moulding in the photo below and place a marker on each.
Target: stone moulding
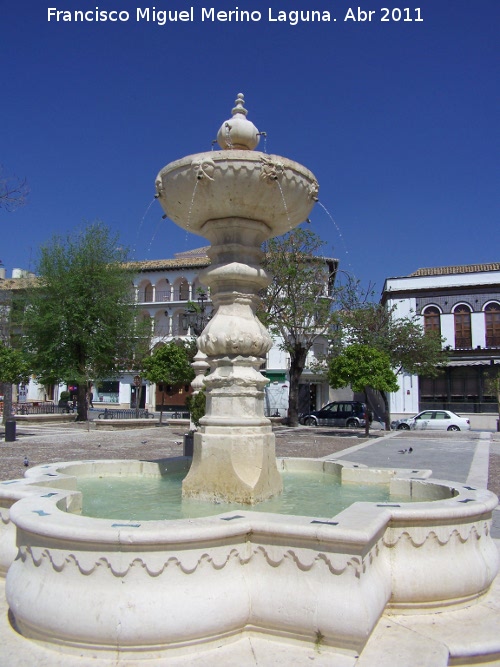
(281, 575)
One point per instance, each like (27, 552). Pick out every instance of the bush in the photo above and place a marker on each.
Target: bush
(197, 405)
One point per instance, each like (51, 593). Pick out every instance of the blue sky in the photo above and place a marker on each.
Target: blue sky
(398, 120)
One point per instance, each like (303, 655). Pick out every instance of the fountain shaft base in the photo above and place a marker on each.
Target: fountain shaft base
(231, 466)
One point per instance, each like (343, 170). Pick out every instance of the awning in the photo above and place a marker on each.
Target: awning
(275, 376)
(473, 362)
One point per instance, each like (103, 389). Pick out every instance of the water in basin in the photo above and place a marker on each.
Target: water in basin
(151, 498)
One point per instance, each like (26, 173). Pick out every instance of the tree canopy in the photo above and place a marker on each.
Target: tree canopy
(297, 305)
(14, 367)
(78, 322)
(402, 339)
(169, 365)
(362, 367)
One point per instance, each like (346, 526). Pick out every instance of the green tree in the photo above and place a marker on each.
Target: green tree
(297, 305)
(197, 405)
(402, 339)
(169, 365)
(362, 367)
(14, 368)
(79, 321)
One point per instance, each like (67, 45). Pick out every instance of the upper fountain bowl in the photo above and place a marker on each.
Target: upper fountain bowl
(236, 184)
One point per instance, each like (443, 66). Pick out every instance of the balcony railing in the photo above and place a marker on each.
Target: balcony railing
(144, 297)
(170, 331)
(161, 296)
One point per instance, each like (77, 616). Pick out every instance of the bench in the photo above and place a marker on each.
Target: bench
(126, 414)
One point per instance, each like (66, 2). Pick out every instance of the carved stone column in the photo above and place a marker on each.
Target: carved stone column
(234, 451)
(237, 198)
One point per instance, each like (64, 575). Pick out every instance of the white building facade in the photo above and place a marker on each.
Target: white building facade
(463, 304)
(163, 289)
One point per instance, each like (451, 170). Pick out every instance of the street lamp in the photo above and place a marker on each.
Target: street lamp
(196, 317)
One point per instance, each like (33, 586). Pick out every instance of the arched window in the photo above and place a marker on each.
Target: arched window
(492, 324)
(432, 320)
(463, 332)
(145, 292)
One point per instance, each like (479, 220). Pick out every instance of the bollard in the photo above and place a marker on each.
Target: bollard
(10, 429)
(188, 444)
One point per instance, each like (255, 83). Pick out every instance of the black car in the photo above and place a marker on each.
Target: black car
(339, 413)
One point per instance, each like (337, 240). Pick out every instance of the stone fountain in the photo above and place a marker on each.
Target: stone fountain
(237, 198)
(121, 590)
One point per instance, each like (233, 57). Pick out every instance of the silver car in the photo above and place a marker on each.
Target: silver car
(443, 420)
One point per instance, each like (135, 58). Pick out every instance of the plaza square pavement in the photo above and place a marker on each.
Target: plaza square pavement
(428, 640)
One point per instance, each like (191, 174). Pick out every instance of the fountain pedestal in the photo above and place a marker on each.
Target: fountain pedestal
(234, 452)
(237, 198)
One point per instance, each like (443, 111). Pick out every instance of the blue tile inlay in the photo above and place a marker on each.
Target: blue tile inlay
(49, 495)
(326, 523)
(466, 500)
(41, 513)
(12, 481)
(125, 525)
(387, 505)
(230, 518)
(470, 488)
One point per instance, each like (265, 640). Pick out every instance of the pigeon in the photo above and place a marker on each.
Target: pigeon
(410, 450)
(402, 451)
(26, 462)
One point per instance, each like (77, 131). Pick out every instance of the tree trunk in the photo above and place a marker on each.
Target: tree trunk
(162, 404)
(81, 406)
(7, 401)
(367, 415)
(387, 416)
(297, 365)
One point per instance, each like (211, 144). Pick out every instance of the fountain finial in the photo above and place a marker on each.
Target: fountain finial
(239, 108)
(238, 133)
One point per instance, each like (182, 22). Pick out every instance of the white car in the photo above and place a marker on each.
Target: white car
(442, 420)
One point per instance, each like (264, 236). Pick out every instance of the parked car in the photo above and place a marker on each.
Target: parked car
(339, 413)
(443, 420)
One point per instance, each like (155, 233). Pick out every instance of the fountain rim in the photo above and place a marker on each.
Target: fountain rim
(58, 523)
(237, 155)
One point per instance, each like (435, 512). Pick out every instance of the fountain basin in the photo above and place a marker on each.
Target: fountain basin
(146, 587)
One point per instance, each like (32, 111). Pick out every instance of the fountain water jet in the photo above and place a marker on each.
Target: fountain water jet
(242, 199)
